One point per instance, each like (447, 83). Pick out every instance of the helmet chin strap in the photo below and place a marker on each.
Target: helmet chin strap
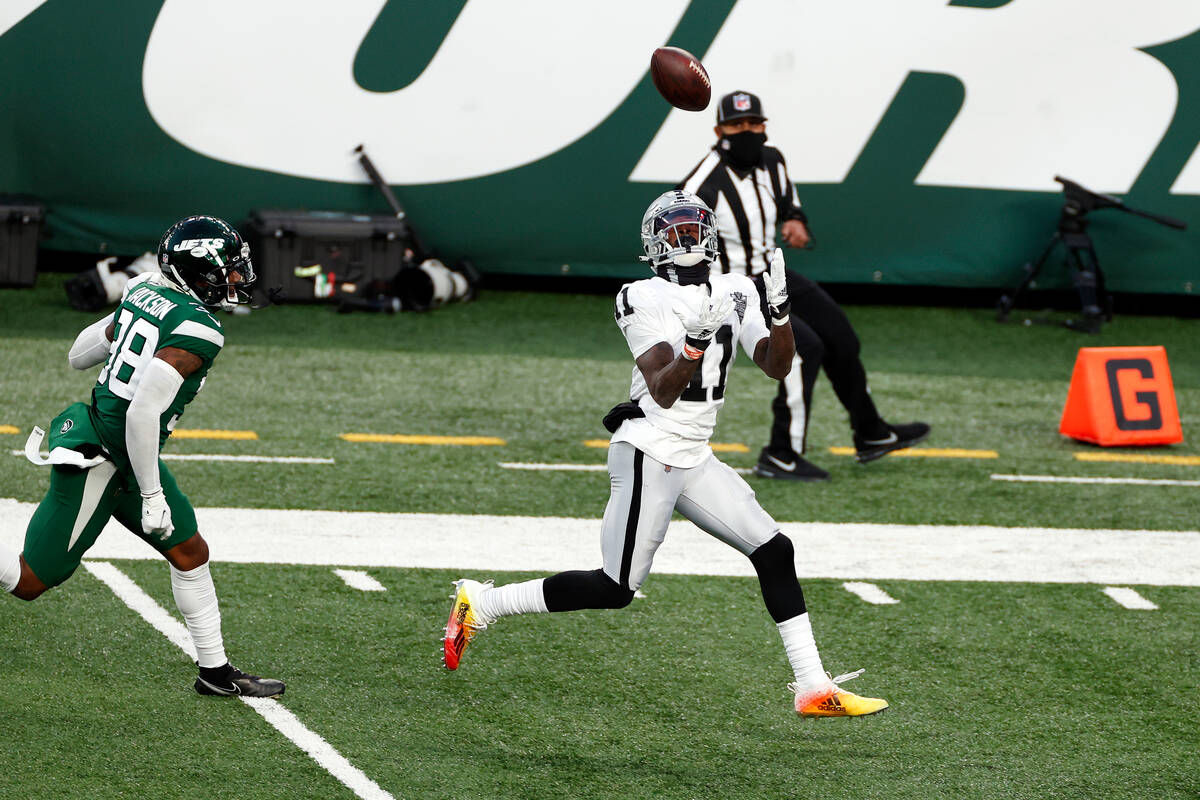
(690, 259)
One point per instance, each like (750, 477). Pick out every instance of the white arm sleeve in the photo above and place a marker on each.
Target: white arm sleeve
(91, 345)
(157, 388)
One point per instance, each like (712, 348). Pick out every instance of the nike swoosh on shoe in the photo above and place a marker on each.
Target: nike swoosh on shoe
(222, 689)
(892, 438)
(788, 466)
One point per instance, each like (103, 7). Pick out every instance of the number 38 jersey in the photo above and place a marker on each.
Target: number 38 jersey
(648, 312)
(152, 315)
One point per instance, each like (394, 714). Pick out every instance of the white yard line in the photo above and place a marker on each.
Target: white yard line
(1129, 598)
(224, 457)
(253, 459)
(870, 593)
(481, 545)
(1067, 479)
(554, 467)
(271, 710)
(357, 579)
(537, 466)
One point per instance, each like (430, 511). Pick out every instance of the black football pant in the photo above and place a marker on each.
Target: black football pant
(824, 338)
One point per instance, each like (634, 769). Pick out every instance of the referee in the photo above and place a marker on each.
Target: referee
(746, 184)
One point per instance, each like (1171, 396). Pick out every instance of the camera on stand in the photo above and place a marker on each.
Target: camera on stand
(1095, 302)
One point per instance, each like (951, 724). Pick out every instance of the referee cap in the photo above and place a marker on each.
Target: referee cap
(739, 105)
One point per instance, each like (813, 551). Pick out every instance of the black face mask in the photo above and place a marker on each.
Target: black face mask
(744, 150)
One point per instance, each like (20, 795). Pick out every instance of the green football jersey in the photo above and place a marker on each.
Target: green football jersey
(151, 316)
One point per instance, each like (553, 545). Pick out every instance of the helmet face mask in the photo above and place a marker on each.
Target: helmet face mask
(679, 237)
(207, 258)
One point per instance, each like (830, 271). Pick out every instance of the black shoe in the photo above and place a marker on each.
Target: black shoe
(898, 437)
(229, 680)
(789, 467)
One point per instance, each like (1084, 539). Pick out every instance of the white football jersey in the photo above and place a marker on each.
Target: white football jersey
(648, 312)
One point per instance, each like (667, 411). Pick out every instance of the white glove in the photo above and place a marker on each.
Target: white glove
(700, 329)
(775, 282)
(156, 515)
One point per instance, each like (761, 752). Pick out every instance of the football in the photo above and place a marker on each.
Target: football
(680, 78)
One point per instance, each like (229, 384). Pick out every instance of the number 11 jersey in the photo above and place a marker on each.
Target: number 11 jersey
(648, 312)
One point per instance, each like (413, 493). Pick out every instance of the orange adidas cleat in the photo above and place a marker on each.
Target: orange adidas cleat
(465, 620)
(834, 701)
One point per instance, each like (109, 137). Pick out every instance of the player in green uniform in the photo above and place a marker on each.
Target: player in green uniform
(157, 348)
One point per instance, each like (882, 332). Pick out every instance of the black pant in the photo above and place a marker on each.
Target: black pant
(824, 338)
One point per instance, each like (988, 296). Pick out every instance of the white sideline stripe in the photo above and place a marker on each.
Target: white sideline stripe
(223, 457)
(256, 459)
(132, 595)
(271, 710)
(844, 551)
(576, 467)
(870, 593)
(1064, 479)
(560, 467)
(357, 579)
(317, 748)
(1129, 598)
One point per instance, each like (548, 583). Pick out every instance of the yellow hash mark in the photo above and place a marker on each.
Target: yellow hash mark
(718, 447)
(1137, 458)
(926, 452)
(200, 433)
(409, 438)
(9, 429)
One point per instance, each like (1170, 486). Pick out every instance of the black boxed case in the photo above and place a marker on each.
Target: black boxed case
(354, 247)
(20, 228)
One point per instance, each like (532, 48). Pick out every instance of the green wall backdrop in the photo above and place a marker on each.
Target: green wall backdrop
(77, 131)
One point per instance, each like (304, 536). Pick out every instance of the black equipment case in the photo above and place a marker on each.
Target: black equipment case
(20, 228)
(353, 248)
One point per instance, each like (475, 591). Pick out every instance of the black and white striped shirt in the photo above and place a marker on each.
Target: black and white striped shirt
(747, 204)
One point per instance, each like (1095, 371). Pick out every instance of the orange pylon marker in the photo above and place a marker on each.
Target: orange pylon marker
(1121, 396)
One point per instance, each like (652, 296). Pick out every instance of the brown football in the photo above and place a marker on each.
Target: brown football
(680, 78)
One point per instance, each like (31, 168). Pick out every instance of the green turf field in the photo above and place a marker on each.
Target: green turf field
(998, 690)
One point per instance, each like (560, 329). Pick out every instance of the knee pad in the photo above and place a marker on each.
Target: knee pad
(776, 554)
(775, 563)
(571, 591)
(614, 595)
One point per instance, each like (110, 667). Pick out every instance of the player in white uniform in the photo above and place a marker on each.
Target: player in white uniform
(683, 327)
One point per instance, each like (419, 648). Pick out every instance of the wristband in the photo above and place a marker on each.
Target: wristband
(693, 350)
(779, 314)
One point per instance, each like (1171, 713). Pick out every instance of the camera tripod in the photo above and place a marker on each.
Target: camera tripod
(1095, 302)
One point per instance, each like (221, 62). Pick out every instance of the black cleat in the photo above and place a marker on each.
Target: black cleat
(898, 437)
(229, 680)
(789, 467)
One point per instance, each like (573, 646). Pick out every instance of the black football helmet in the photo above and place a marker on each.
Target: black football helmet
(679, 237)
(200, 255)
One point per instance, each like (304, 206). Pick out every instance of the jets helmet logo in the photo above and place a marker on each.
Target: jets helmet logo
(201, 248)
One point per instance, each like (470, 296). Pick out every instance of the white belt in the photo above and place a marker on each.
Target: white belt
(59, 455)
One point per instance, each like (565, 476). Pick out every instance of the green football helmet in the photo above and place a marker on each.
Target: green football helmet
(208, 259)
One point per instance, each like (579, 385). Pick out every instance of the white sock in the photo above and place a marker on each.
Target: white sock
(526, 597)
(196, 598)
(802, 652)
(10, 568)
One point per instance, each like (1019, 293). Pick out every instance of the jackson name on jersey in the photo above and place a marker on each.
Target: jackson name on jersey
(648, 312)
(152, 315)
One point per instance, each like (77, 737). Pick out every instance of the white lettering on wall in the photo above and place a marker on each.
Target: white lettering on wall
(1051, 87)
(1188, 181)
(510, 84)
